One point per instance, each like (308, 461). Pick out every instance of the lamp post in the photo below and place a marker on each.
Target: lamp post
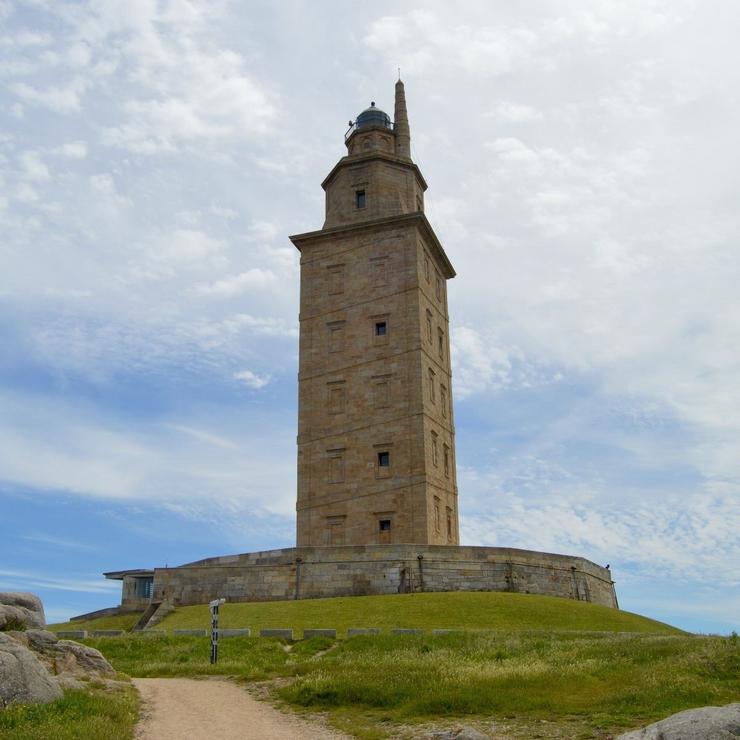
(214, 628)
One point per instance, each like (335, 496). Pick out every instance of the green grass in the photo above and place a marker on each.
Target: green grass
(470, 611)
(92, 715)
(182, 655)
(117, 622)
(606, 681)
(586, 682)
(524, 658)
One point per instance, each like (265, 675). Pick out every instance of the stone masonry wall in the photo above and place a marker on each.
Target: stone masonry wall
(322, 572)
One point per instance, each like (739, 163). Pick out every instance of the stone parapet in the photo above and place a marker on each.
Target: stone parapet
(359, 570)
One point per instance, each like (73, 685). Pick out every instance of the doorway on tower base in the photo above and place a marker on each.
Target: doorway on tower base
(385, 532)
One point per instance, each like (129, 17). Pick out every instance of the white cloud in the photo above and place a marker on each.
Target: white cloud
(260, 325)
(254, 278)
(512, 150)
(103, 183)
(55, 541)
(665, 536)
(422, 42)
(479, 364)
(66, 99)
(26, 193)
(514, 112)
(74, 150)
(252, 380)
(64, 447)
(22, 580)
(204, 436)
(34, 168)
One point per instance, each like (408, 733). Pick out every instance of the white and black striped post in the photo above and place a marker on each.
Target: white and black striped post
(214, 628)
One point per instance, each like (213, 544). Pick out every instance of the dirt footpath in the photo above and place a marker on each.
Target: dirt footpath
(177, 708)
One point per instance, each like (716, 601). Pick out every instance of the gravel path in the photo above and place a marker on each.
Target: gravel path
(177, 708)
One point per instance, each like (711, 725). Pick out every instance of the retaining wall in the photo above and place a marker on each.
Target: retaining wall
(321, 572)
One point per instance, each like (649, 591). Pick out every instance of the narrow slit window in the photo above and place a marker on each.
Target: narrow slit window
(360, 198)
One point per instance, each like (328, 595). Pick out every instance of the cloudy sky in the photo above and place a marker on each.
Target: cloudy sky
(583, 165)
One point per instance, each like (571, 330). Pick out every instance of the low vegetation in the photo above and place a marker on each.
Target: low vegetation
(459, 610)
(117, 622)
(608, 681)
(532, 662)
(592, 683)
(94, 714)
(183, 655)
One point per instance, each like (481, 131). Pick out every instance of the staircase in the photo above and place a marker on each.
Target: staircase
(154, 614)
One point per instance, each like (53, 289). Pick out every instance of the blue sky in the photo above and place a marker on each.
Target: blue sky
(583, 172)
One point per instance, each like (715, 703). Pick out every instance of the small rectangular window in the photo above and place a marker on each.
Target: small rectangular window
(441, 342)
(449, 523)
(426, 266)
(381, 328)
(360, 198)
(384, 459)
(384, 525)
(144, 588)
(447, 460)
(438, 288)
(443, 400)
(434, 449)
(429, 326)
(432, 395)
(436, 517)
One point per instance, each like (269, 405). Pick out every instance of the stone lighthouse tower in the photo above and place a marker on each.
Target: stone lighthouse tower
(376, 439)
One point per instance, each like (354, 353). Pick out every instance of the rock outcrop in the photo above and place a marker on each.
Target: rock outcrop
(35, 665)
(21, 610)
(70, 662)
(23, 677)
(704, 723)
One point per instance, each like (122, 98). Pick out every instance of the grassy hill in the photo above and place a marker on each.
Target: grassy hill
(118, 622)
(428, 611)
(542, 666)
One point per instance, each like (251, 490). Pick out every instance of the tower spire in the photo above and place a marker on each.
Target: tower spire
(401, 122)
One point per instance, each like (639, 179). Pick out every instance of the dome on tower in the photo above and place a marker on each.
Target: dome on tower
(373, 116)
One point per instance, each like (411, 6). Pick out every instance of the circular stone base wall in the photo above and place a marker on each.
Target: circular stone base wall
(321, 572)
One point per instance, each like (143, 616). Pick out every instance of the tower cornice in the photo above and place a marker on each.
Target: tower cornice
(385, 156)
(418, 218)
